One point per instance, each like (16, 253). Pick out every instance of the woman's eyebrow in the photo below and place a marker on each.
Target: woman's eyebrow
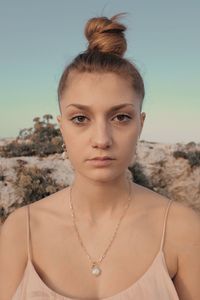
(88, 108)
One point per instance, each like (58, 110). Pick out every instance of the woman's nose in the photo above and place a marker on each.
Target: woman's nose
(102, 136)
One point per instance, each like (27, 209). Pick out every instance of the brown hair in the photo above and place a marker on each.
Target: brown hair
(106, 47)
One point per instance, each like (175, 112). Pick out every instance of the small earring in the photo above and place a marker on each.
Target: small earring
(64, 154)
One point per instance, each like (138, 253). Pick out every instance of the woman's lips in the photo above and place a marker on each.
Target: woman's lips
(100, 162)
(102, 157)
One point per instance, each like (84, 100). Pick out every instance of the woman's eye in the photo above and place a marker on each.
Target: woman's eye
(121, 118)
(80, 117)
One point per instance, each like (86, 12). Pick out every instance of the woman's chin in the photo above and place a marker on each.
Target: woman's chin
(104, 175)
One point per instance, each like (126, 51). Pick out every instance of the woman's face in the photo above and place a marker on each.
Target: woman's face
(98, 129)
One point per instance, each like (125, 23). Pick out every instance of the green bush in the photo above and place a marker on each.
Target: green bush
(139, 177)
(3, 215)
(193, 157)
(2, 176)
(181, 154)
(190, 144)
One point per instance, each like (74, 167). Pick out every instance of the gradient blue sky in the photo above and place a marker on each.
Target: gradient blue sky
(38, 38)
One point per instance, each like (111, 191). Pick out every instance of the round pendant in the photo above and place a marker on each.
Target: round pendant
(96, 270)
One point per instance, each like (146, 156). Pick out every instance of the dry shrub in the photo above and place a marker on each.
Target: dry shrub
(42, 140)
(33, 184)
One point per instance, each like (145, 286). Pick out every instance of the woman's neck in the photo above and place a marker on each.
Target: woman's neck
(94, 200)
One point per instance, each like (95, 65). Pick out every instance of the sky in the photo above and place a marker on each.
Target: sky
(39, 38)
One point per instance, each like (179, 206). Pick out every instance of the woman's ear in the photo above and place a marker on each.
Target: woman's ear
(142, 119)
(59, 122)
(59, 119)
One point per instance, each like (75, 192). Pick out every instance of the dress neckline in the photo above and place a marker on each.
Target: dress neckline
(156, 258)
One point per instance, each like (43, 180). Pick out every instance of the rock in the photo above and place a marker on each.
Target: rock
(170, 176)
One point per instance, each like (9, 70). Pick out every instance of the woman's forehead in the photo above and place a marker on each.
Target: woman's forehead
(98, 90)
(96, 77)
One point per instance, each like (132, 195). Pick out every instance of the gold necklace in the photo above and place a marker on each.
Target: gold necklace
(95, 269)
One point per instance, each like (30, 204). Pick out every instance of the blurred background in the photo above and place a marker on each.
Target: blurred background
(38, 38)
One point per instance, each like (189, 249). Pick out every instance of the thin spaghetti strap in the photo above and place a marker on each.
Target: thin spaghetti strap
(28, 233)
(164, 226)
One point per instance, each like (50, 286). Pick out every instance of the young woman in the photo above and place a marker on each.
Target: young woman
(104, 236)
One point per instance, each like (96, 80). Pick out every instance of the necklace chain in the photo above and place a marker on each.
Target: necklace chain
(95, 269)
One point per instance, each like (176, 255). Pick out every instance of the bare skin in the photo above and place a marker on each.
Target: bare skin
(136, 244)
(61, 263)
(98, 196)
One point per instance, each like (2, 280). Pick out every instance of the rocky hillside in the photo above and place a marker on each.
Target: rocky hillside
(169, 169)
(174, 170)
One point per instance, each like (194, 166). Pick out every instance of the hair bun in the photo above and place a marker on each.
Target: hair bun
(106, 35)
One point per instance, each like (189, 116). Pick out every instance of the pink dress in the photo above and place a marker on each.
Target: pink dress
(154, 284)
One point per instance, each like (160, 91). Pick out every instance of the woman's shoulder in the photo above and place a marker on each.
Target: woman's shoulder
(17, 220)
(183, 219)
(52, 205)
(13, 250)
(153, 198)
